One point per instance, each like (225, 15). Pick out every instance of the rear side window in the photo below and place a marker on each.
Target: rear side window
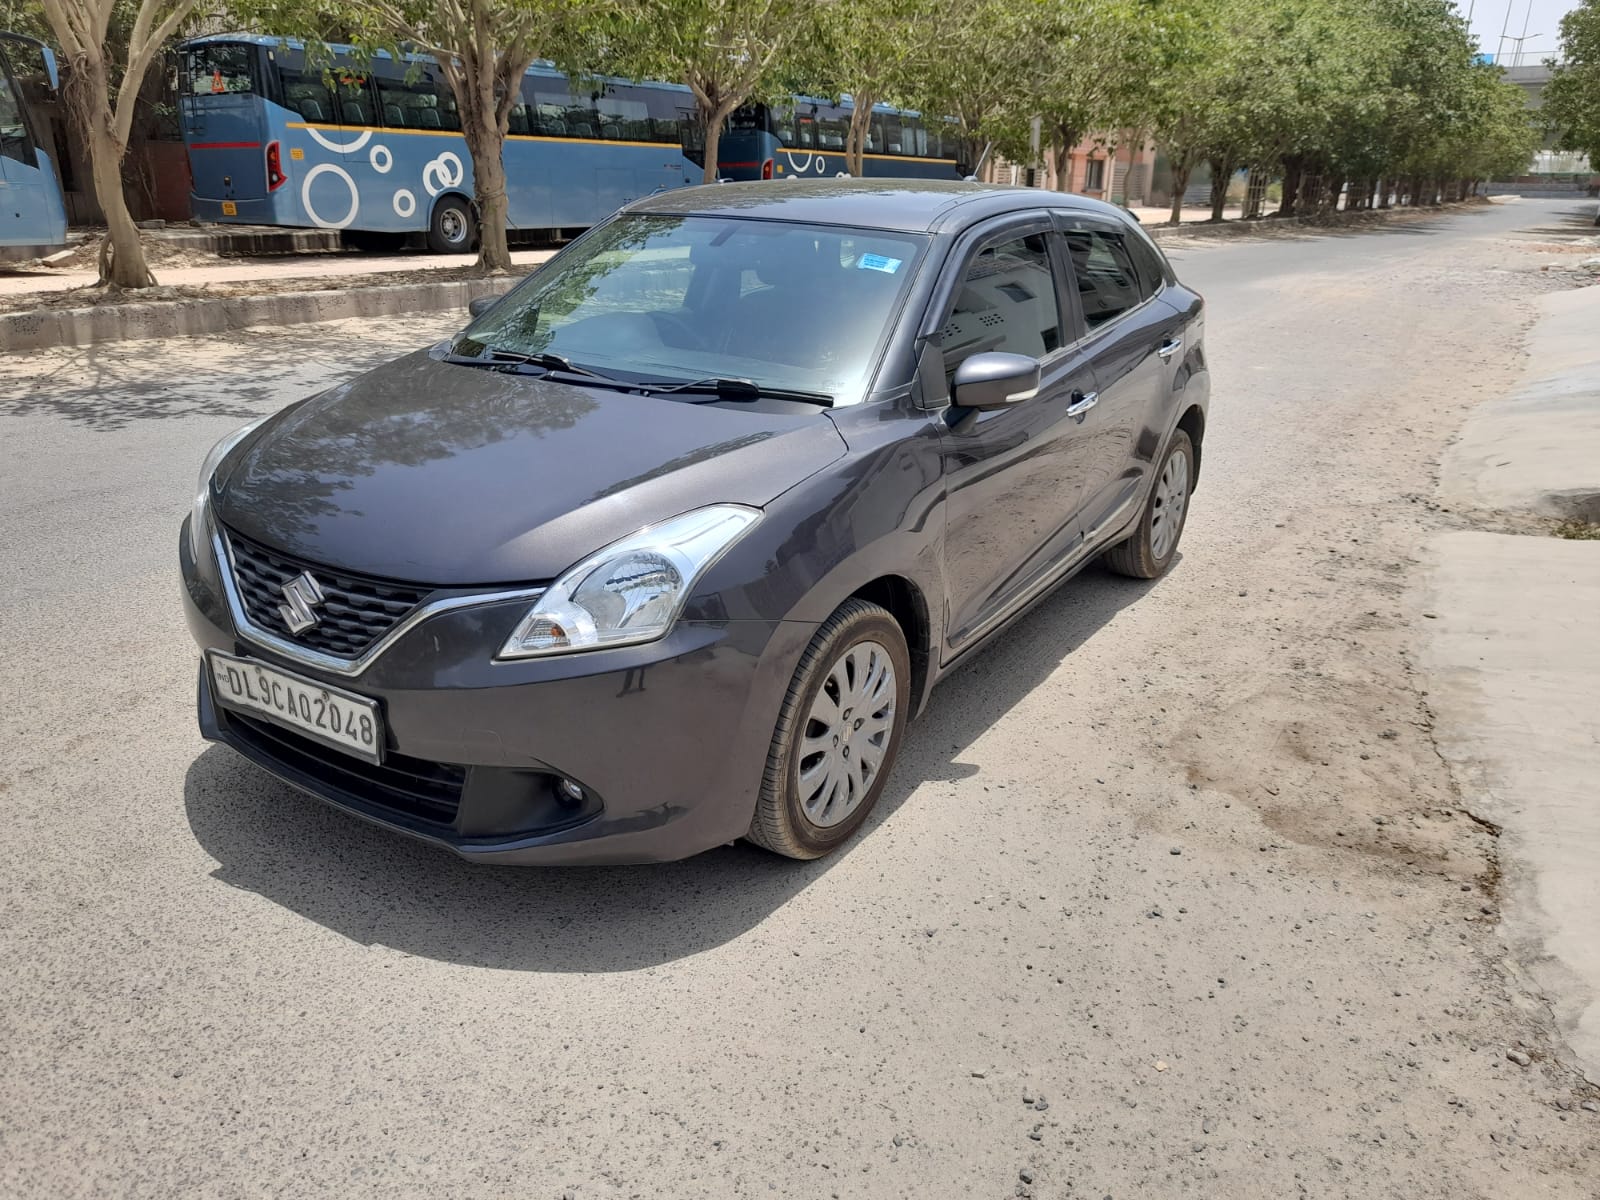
(1152, 270)
(1108, 284)
(1006, 301)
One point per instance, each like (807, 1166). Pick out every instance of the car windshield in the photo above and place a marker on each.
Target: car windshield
(674, 299)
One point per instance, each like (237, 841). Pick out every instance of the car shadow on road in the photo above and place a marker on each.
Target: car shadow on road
(379, 888)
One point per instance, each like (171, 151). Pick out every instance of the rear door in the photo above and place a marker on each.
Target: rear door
(1013, 477)
(223, 120)
(1131, 341)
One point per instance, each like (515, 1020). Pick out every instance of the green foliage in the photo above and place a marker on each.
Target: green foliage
(1572, 97)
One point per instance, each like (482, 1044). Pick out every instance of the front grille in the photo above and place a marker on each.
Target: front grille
(415, 787)
(355, 612)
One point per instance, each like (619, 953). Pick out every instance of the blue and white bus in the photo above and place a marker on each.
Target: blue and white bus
(33, 217)
(806, 137)
(377, 150)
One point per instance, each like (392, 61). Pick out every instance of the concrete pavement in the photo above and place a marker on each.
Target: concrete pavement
(1171, 893)
(1514, 654)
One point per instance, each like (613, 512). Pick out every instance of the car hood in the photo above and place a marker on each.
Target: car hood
(453, 476)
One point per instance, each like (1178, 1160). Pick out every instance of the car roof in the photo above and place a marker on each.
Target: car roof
(902, 205)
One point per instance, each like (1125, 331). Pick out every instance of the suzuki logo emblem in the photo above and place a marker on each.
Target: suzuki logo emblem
(302, 595)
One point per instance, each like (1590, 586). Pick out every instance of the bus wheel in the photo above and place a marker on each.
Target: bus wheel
(453, 229)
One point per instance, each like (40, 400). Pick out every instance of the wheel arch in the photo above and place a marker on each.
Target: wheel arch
(1193, 422)
(905, 602)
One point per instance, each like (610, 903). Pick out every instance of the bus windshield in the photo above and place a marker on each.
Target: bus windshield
(672, 299)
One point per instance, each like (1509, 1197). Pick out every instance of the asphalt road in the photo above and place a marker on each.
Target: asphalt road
(1170, 894)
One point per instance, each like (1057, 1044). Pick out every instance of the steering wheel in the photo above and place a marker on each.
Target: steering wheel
(691, 337)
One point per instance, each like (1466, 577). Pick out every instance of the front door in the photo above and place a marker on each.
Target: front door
(1014, 477)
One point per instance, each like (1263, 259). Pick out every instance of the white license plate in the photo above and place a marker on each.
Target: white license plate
(332, 717)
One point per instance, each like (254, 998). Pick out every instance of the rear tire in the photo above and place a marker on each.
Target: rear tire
(1154, 544)
(454, 227)
(837, 735)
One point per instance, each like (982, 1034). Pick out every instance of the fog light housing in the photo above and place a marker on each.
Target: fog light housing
(570, 791)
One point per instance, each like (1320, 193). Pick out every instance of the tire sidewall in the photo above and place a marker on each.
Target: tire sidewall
(1178, 444)
(436, 235)
(869, 628)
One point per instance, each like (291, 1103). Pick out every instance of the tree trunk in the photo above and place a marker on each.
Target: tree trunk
(713, 138)
(1292, 171)
(855, 146)
(485, 145)
(1221, 176)
(1180, 184)
(122, 261)
(1061, 160)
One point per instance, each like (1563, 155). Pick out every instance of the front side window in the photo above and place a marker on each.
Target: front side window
(675, 299)
(1108, 285)
(221, 68)
(1006, 302)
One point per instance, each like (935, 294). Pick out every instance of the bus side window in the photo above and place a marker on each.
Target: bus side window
(662, 106)
(307, 94)
(355, 101)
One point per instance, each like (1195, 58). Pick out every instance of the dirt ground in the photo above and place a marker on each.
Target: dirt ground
(1171, 893)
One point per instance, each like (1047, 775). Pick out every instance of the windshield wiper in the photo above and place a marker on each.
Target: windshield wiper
(739, 390)
(495, 358)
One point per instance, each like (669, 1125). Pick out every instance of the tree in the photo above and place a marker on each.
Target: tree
(725, 51)
(483, 48)
(83, 29)
(1572, 97)
(1089, 65)
(863, 49)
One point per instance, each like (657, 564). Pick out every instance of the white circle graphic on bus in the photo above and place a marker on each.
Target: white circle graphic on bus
(814, 164)
(382, 168)
(305, 196)
(405, 203)
(339, 147)
(443, 172)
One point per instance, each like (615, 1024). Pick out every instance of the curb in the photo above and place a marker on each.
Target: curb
(44, 329)
(1237, 227)
(276, 241)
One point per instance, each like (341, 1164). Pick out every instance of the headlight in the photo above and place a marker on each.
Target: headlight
(199, 519)
(633, 590)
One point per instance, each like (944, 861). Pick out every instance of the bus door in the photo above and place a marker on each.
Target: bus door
(223, 125)
(31, 210)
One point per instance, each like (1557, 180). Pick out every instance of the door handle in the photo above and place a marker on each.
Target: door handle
(1170, 347)
(1082, 402)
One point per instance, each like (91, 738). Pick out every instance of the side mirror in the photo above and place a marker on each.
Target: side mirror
(995, 380)
(476, 308)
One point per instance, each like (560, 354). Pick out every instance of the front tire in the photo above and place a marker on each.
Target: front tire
(1154, 544)
(837, 735)
(453, 229)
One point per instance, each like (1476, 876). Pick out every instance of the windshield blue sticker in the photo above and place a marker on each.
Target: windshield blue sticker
(877, 262)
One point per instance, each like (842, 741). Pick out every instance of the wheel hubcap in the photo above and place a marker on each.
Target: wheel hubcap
(846, 734)
(453, 225)
(1172, 495)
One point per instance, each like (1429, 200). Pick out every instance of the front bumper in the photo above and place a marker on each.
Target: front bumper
(668, 740)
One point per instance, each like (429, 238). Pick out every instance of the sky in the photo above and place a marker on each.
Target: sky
(1541, 17)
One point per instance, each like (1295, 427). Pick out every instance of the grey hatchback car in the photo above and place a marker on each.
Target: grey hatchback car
(667, 546)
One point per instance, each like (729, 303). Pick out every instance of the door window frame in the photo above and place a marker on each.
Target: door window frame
(971, 243)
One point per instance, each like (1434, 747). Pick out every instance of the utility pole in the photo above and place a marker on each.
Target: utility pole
(1034, 127)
